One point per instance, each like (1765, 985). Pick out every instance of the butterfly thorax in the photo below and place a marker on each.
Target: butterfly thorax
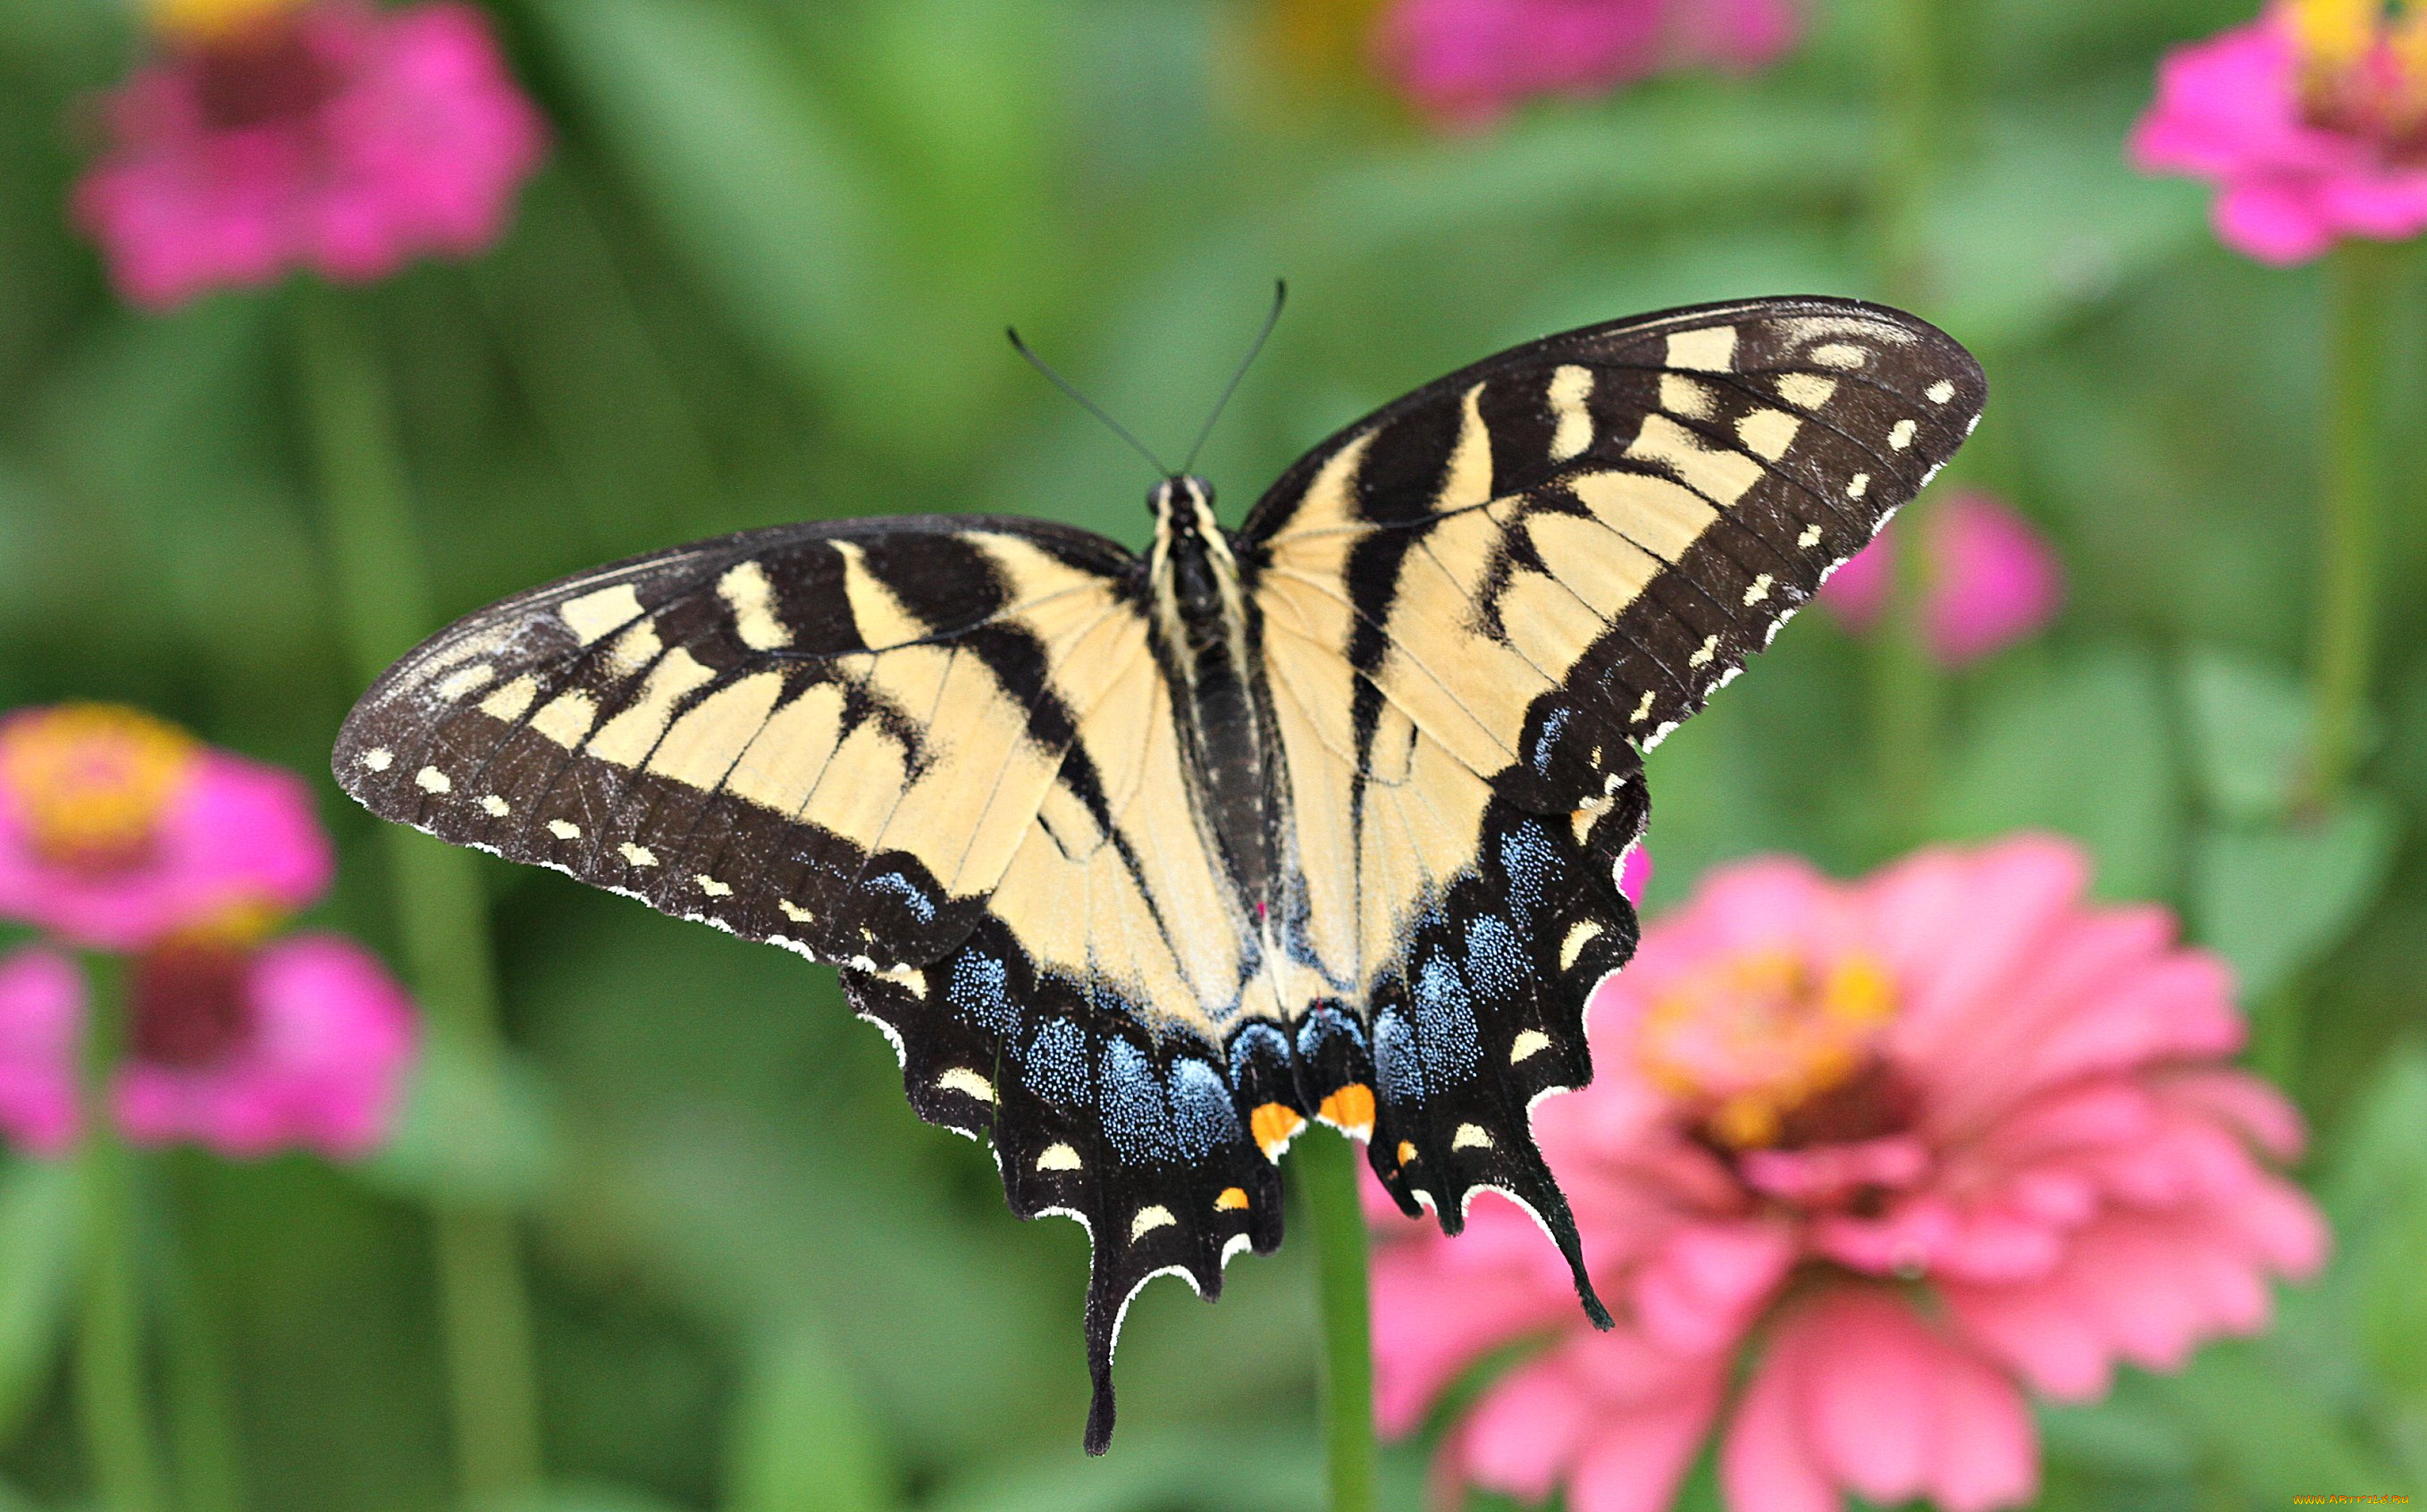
(1200, 619)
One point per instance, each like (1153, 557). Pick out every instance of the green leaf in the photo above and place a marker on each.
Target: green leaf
(477, 1128)
(2128, 1436)
(2048, 220)
(2249, 728)
(575, 1498)
(38, 1246)
(803, 1439)
(2273, 901)
(2375, 1193)
(2080, 748)
(769, 203)
(2267, 1431)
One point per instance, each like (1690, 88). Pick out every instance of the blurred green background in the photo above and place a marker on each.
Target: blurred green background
(764, 277)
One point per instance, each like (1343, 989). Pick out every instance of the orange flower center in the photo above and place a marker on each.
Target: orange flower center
(1748, 1043)
(90, 782)
(212, 21)
(2364, 70)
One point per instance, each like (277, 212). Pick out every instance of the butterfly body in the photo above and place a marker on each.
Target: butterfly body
(1203, 633)
(1144, 863)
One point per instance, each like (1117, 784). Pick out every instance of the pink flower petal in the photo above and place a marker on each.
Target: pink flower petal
(1468, 61)
(41, 1016)
(1871, 1396)
(1636, 1461)
(1995, 581)
(1766, 1462)
(1526, 1432)
(1857, 592)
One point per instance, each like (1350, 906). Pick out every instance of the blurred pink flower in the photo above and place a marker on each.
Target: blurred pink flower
(1992, 581)
(117, 829)
(2312, 121)
(1472, 60)
(1636, 874)
(329, 135)
(305, 1042)
(1919, 1143)
(42, 1005)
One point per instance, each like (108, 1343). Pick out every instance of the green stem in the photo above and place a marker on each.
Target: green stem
(1911, 693)
(2360, 278)
(110, 1344)
(384, 603)
(1325, 1168)
(1908, 691)
(201, 1427)
(1914, 123)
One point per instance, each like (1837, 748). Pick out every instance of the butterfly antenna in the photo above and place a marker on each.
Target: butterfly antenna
(1084, 401)
(1272, 318)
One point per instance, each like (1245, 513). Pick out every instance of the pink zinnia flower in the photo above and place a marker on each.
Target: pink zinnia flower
(2312, 121)
(117, 829)
(1917, 1145)
(327, 135)
(305, 1042)
(1992, 581)
(1471, 60)
(1635, 874)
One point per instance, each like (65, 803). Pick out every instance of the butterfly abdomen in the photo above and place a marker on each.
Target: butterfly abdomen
(1201, 622)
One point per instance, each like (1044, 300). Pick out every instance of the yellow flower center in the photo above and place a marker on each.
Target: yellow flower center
(210, 21)
(1747, 1042)
(2363, 68)
(92, 780)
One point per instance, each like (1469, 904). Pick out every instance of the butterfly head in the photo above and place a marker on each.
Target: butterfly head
(1181, 504)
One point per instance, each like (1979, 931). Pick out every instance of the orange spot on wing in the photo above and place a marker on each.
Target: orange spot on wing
(1351, 1108)
(1275, 1125)
(1407, 1152)
(1232, 1198)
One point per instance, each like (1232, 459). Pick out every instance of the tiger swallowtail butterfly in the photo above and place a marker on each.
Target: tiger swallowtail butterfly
(1142, 862)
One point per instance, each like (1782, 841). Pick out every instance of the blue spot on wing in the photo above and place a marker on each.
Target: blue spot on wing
(1056, 1066)
(1552, 724)
(1394, 1058)
(1135, 1116)
(1446, 1021)
(978, 993)
(1495, 960)
(915, 901)
(1533, 867)
(1202, 1115)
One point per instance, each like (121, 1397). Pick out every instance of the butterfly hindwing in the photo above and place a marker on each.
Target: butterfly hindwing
(1091, 1114)
(1480, 605)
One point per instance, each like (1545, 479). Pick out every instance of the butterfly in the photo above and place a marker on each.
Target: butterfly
(1145, 862)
